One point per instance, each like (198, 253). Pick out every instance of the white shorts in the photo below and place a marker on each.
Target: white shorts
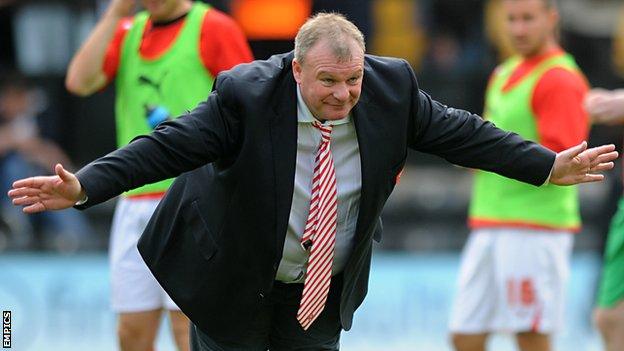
(512, 280)
(134, 288)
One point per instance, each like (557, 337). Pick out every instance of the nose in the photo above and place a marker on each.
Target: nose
(341, 92)
(518, 28)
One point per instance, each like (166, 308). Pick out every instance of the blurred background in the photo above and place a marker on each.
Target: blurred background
(53, 267)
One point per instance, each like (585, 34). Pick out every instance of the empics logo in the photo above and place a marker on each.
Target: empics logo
(6, 329)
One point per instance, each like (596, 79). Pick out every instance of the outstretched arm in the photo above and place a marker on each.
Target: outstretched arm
(203, 135)
(465, 139)
(44, 193)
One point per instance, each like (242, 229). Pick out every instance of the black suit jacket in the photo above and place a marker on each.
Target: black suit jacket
(216, 240)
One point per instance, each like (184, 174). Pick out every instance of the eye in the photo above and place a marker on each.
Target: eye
(327, 80)
(353, 80)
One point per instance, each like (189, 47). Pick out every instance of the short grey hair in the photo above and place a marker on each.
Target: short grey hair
(550, 4)
(333, 27)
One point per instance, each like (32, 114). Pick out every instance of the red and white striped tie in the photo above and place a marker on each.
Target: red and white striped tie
(320, 232)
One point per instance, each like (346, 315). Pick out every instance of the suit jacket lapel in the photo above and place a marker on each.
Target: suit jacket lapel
(283, 129)
(364, 129)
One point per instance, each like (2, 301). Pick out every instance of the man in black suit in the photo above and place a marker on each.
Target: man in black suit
(230, 242)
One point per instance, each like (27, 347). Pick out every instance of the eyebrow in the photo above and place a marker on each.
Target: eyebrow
(358, 73)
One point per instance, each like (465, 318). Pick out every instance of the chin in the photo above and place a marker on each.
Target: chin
(334, 115)
(154, 8)
(526, 51)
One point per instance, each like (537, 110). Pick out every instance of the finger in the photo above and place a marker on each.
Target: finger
(63, 173)
(603, 167)
(32, 182)
(24, 192)
(34, 208)
(23, 183)
(608, 157)
(574, 150)
(589, 178)
(611, 156)
(600, 150)
(26, 200)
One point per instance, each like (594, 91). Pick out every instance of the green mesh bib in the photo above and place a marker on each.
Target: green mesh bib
(502, 200)
(151, 91)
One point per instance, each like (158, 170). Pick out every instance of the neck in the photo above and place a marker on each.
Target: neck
(182, 8)
(548, 47)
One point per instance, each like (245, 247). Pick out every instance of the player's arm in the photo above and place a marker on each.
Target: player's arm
(86, 70)
(606, 106)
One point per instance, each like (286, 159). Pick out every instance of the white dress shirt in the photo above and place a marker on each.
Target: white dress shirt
(346, 154)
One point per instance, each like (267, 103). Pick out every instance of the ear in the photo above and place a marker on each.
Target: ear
(296, 67)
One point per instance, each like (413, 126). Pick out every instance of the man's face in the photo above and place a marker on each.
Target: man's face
(162, 9)
(329, 87)
(530, 24)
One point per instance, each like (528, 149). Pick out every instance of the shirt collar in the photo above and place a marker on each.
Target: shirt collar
(305, 116)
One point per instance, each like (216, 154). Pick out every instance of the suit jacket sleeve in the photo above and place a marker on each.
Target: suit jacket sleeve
(206, 134)
(467, 140)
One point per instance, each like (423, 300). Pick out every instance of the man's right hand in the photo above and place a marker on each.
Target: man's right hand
(45, 193)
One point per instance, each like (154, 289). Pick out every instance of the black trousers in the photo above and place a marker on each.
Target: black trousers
(276, 328)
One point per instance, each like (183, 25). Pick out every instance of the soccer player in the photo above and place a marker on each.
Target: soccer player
(163, 61)
(515, 265)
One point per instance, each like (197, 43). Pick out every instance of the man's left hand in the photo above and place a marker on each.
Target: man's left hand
(579, 164)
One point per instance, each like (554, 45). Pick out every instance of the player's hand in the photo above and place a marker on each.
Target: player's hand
(605, 106)
(121, 8)
(44, 193)
(579, 164)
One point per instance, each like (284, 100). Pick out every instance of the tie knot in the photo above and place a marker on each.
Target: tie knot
(324, 129)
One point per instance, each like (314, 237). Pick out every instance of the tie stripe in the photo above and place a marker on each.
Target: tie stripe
(320, 230)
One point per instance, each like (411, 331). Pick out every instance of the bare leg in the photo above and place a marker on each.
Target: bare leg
(180, 328)
(610, 322)
(469, 342)
(137, 330)
(532, 341)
